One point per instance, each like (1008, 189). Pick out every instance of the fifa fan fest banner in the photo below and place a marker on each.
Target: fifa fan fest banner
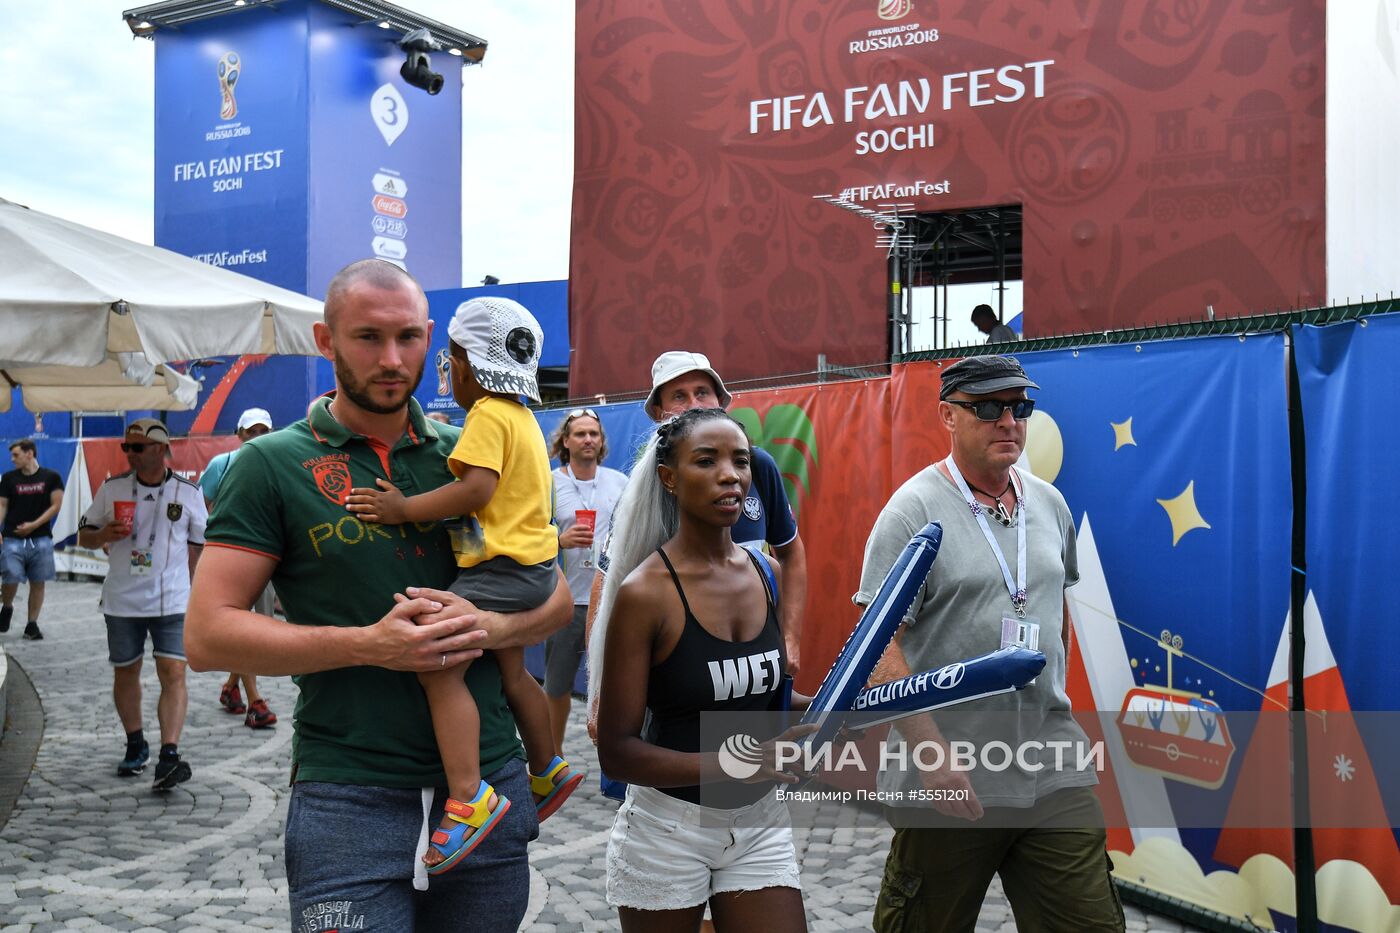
(1167, 159)
(288, 145)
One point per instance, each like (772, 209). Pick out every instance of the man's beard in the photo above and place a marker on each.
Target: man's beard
(359, 392)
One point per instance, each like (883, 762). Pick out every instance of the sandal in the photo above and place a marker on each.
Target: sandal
(553, 787)
(474, 822)
(231, 699)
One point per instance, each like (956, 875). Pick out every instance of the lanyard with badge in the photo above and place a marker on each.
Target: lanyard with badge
(142, 558)
(1017, 630)
(587, 504)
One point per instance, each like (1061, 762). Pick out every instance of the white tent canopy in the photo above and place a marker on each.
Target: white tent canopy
(88, 319)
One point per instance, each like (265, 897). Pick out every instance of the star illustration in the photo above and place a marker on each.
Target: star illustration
(1183, 513)
(1344, 768)
(1123, 433)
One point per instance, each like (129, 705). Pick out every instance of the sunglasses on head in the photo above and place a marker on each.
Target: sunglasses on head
(135, 447)
(582, 412)
(990, 409)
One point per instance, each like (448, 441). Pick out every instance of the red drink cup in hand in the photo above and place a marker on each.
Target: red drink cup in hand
(124, 513)
(586, 518)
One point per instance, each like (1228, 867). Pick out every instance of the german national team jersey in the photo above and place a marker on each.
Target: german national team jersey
(148, 571)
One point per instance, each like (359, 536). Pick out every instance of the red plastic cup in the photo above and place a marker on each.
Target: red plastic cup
(124, 512)
(586, 518)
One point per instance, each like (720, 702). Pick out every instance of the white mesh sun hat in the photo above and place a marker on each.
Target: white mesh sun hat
(503, 343)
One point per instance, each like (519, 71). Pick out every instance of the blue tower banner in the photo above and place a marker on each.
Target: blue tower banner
(386, 173)
(288, 145)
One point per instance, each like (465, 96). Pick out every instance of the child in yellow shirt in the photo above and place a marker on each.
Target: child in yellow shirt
(499, 515)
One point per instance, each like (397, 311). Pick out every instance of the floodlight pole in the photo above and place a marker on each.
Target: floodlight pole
(895, 299)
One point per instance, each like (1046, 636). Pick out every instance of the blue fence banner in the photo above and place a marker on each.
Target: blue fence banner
(1348, 380)
(1173, 457)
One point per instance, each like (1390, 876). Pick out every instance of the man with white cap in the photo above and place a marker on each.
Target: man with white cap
(682, 380)
(254, 422)
(151, 522)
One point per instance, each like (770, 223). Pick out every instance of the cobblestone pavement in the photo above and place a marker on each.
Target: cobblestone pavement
(86, 850)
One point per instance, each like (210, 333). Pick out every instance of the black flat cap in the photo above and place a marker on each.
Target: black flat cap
(983, 375)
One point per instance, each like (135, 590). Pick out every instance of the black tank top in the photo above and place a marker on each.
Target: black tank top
(706, 674)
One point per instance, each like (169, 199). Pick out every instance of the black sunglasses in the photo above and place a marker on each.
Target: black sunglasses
(990, 409)
(134, 448)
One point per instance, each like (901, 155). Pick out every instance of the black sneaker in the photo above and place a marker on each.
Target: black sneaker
(31, 632)
(5, 613)
(169, 772)
(135, 761)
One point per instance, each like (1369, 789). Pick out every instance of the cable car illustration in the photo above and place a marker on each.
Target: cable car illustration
(1176, 733)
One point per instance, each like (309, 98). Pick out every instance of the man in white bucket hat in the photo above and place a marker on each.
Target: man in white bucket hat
(682, 380)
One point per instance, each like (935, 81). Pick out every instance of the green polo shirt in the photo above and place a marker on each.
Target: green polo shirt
(283, 496)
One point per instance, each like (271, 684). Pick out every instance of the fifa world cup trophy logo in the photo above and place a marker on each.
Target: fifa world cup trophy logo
(894, 9)
(229, 67)
(444, 372)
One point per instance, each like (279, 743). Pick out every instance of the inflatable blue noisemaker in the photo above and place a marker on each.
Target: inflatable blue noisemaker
(862, 650)
(1002, 671)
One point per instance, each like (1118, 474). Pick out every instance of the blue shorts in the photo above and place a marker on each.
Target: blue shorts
(126, 638)
(351, 851)
(26, 559)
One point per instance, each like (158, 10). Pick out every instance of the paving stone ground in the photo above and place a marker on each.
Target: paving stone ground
(86, 850)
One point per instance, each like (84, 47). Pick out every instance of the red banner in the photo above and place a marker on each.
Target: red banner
(188, 456)
(832, 444)
(1167, 158)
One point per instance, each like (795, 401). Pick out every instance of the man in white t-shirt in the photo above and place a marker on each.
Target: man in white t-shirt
(151, 523)
(580, 485)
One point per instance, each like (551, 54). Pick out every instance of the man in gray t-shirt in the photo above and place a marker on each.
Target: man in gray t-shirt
(1036, 822)
(581, 485)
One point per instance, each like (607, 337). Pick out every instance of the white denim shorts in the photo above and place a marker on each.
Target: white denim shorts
(667, 854)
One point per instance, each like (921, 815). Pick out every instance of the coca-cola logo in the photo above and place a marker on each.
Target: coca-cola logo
(393, 207)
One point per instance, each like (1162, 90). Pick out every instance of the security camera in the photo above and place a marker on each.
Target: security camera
(417, 70)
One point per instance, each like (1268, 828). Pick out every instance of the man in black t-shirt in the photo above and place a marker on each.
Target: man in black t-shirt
(30, 497)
